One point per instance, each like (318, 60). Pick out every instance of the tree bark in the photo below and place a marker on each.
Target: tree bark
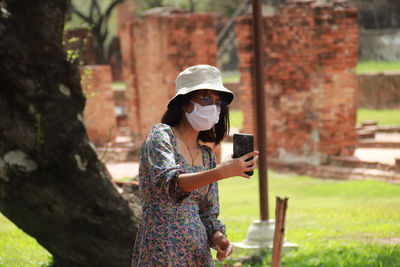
(52, 184)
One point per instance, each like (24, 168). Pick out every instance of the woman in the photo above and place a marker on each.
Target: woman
(178, 175)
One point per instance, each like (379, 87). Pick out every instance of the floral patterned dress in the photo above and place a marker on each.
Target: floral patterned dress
(176, 226)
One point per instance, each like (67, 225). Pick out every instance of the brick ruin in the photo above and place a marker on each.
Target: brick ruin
(310, 81)
(311, 86)
(98, 115)
(155, 48)
(379, 90)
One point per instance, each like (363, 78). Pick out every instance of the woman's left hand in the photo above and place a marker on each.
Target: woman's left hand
(222, 244)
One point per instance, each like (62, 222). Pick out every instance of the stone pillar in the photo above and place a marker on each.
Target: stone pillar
(99, 111)
(310, 81)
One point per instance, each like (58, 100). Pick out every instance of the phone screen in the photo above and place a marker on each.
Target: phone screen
(243, 144)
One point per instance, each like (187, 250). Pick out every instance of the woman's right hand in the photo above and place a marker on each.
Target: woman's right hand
(239, 166)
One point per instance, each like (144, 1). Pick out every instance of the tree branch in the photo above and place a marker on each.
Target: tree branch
(91, 9)
(104, 19)
(97, 8)
(89, 20)
(111, 7)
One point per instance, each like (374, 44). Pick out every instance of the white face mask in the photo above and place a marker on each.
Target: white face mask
(203, 118)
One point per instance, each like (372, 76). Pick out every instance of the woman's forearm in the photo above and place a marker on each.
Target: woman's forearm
(228, 168)
(191, 181)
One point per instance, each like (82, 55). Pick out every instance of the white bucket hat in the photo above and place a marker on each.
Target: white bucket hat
(200, 77)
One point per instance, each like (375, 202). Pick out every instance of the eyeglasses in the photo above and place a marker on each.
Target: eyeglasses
(207, 101)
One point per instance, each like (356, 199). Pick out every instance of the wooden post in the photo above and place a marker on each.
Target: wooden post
(260, 108)
(280, 219)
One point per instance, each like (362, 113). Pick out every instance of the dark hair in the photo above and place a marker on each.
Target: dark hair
(174, 115)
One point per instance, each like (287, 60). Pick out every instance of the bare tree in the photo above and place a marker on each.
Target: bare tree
(98, 24)
(52, 184)
(192, 6)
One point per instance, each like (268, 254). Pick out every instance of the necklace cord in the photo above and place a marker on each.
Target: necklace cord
(190, 152)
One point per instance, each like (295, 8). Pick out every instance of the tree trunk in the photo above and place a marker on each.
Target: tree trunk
(52, 184)
(98, 45)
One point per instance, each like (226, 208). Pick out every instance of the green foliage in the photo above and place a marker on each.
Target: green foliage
(72, 55)
(382, 116)
(377, 66)
(88, 91)
(335, 223)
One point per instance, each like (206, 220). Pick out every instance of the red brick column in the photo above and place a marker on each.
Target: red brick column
(160, 46)
(310, 81)
(128, 72)
(99, 114)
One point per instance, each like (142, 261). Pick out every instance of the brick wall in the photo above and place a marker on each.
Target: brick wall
(379, 90)
(99, 114)
(234, 87)
(127, 11)
(310, 81)
(155, 49)
(126, 21)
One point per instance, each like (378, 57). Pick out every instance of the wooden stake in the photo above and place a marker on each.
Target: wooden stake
(279, 235)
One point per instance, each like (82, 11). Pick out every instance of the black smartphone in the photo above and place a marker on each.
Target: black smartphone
(243, 144)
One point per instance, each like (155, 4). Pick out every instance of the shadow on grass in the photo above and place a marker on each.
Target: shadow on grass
(346, 256)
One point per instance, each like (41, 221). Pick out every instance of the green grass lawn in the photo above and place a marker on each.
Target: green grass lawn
(231, 77)
(377, 66)
(382, 116)
(18, 249)
(236, 118)
(335, 223)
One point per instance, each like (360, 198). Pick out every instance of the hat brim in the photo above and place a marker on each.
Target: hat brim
(185, 90)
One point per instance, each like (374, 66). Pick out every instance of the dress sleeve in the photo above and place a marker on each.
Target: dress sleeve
(209, 207)
(163, 168)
